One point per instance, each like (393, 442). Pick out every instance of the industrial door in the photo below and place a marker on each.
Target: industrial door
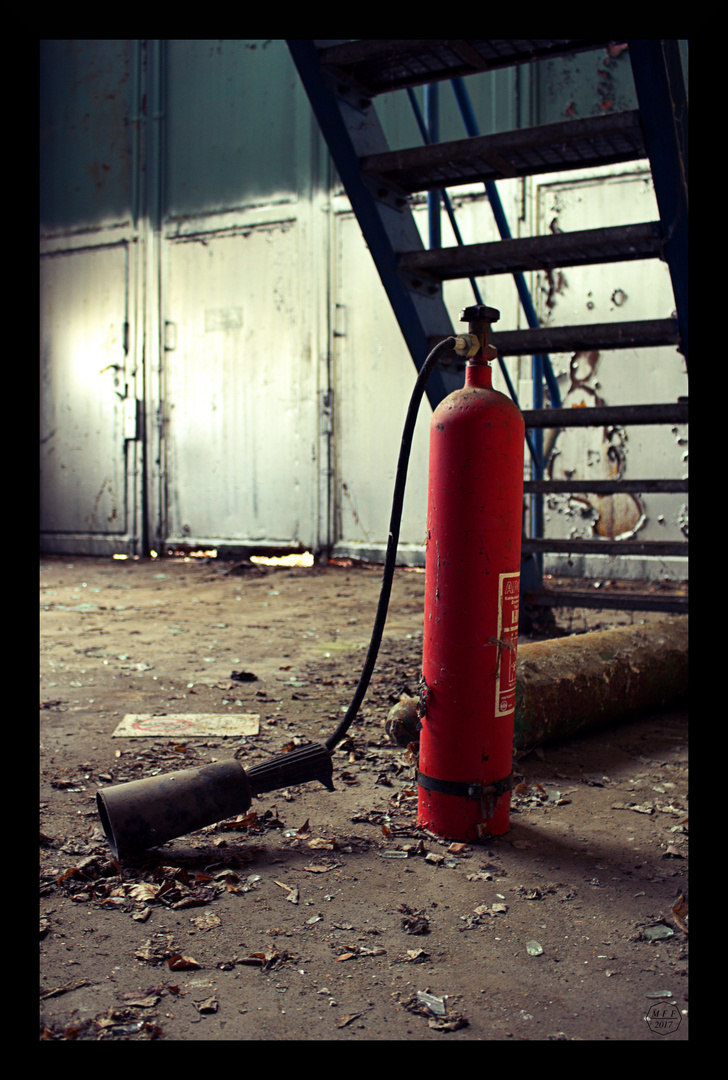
(88, 423)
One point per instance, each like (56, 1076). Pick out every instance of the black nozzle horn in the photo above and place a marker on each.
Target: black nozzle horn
(144, 813)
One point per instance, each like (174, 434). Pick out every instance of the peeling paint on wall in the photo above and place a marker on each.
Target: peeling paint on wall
(592, 454)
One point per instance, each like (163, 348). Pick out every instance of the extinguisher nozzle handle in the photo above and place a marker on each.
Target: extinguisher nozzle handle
(305, 763)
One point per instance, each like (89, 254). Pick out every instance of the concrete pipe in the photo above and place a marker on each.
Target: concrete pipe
(574, 684)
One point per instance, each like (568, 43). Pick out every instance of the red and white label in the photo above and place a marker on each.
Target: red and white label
(505, 680)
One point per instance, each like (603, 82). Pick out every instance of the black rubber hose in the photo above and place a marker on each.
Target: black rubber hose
(389, 563)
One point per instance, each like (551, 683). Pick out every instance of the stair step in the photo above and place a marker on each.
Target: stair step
(605, 547)
(380, 66)
(672, 412)
(600, 598)
(571, 144)
(604, 487)
(555, 339)
(587, 247)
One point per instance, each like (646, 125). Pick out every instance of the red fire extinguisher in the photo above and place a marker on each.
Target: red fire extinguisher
(472, 578)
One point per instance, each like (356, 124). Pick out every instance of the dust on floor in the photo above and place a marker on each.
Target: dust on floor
(322, 915)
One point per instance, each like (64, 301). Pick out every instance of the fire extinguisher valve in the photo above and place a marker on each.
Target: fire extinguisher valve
(467, 345)
(479, 319)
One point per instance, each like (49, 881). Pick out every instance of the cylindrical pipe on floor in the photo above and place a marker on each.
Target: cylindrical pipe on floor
(566, 686)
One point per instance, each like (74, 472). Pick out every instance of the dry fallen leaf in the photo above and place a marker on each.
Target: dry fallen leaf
(260, 959)
(207, 921)
(143, 891)
(182, 963)
(415, 955)
(344, 1020)
(319, 843)
(147, 1002)
(209, 1005)
(680, 911)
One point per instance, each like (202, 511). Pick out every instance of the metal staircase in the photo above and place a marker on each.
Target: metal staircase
(342, 81)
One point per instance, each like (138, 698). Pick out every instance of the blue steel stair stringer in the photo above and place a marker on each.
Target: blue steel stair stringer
(662, 96)
(350, 125)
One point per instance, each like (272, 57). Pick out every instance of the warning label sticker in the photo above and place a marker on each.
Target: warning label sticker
(505, 680)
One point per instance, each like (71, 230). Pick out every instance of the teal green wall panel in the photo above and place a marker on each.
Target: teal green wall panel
(87, 91)
(233, 111)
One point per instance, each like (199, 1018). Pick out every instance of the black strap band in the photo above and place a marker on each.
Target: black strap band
(463, 789)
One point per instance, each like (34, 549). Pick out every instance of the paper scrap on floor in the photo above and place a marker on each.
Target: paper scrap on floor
(187, 725)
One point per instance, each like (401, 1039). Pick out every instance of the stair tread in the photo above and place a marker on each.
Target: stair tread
(379, 66)
(571, 144)
(552, 339)
(601, 598)
(519, 255)
(606, 547)
(670, 412)
(604, 487)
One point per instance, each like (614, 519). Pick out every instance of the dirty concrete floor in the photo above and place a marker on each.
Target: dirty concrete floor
(302, 920)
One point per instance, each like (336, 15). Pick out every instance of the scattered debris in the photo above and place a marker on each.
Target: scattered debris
(178, 962)
(403, 721)
(243, 676)
(414, 922)
(680, 912)
(639, 808)
(434, 1009)
(293, 892)
(227, 872)
(658, 932)
(209, 1005)
(434, 1004)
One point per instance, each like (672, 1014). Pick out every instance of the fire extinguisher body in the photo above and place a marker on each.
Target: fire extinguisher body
(474, 523)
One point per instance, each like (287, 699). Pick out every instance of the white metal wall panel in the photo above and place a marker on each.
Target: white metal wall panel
(88, 404)
(89, 160)
(373, 380)
(374, 376)
(612, 292)
(239, 390)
